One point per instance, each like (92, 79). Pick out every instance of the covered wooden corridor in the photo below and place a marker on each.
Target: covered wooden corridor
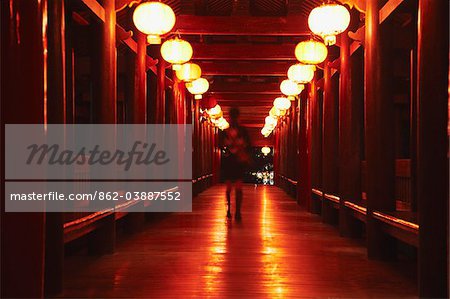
(276, 251)
(354, 124)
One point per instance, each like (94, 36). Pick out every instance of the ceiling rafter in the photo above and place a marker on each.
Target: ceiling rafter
(241, 25)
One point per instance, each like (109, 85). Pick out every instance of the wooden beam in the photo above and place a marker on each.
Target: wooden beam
(95, 8)
(132, 45)
(253, 125)
(99, 12)
(250, 111)
(246, 97)
(243, 51)
(387, 10)
(246, 87)
(241, 25)
(254, 103)
(23, 234)
(254, 68)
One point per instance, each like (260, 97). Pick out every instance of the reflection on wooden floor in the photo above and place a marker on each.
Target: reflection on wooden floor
(277, 251)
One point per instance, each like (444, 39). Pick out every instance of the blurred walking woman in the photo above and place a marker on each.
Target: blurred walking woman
(236, 159)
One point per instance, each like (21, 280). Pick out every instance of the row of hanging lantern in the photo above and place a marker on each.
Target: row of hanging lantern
(156, 19)
(298, 75)
(215, 117)
(326, 21)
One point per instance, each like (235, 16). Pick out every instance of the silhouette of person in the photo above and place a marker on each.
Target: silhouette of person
(236, 159)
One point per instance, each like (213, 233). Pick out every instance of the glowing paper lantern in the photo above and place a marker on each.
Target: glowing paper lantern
(265, 150)
(222, 124)
(189, 72)
(154, 19)
(328, 20)
(198, 87)
(176, 51)
(215, 111)
(311, 52)
(266, 131)
(301, 73)
(291, 88)
(224, 127)
(282, 103)
(274, 112)
(271, 121)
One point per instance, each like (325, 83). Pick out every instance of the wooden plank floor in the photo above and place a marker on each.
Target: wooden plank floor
(276, 251)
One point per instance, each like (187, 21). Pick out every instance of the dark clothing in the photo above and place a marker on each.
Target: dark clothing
(236, 158)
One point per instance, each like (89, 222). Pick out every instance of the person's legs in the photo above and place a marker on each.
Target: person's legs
(238, 199)
(228, 195)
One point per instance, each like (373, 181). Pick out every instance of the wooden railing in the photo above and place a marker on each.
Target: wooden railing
(402, 225)
(403, 186)
(201, 183)
(287, 184)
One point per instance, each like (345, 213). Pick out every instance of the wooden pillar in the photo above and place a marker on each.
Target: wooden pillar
(201, 153)
(138, 101)
(104, 106)
(161, 92)
(380, 151)
(196, 142)
(304, 151)
(23, 90)
(217, 155)
(316, 143)
(432, 147)
(105, 68)
(293, 135)
(329, 144)
(275, 157)
(413, 127)
(350, 126)
(56, 114)
(137, 109)
(69, 63)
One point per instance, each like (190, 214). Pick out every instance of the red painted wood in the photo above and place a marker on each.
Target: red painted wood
(330, 133)
(56, 114)
(245, 87)
(316, 143)
(304, 150)
(241, 25)
(160, 109)
(244, 51)
(432, 148)
(316, 131)
(350, 134)
(105, 68)
(24, 65)
(249, 68)
(249, 98)
(379, 145)
(138, 103)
